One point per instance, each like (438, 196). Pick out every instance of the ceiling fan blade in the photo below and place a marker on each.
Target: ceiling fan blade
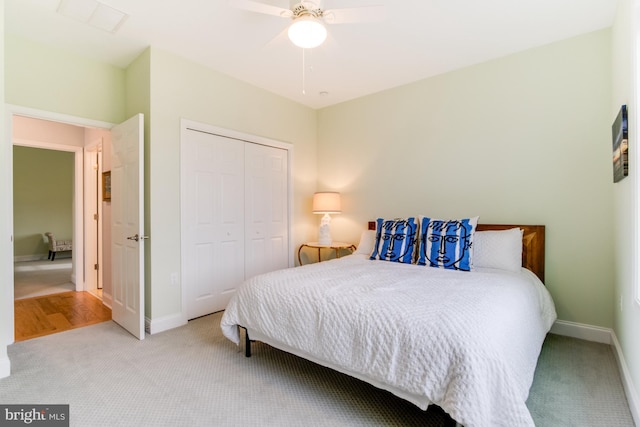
(254, 6)
(278, 41)
(355, 14)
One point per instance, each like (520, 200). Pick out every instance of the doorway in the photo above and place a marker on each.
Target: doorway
(93, 218)
(83, 140)
(42, 204)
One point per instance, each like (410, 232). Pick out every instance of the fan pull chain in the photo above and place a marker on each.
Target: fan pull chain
(304, 71)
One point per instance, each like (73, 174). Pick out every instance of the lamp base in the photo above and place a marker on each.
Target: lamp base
(324, 233)
(325, 242)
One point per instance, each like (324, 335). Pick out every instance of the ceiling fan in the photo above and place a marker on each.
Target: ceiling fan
(307, 29)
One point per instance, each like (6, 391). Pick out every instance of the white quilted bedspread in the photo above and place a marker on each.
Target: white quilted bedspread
(466, 341)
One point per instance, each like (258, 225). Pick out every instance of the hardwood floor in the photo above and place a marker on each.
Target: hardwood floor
(49, 314)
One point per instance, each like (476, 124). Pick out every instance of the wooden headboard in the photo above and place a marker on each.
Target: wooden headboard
(532, 244)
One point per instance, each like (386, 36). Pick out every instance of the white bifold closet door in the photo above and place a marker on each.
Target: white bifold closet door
(235, 205)
(266, 213)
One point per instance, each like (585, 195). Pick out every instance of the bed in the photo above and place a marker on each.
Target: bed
(467, 341)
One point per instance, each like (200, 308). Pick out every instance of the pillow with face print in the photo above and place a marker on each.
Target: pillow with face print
(395, 240)
(447, 243)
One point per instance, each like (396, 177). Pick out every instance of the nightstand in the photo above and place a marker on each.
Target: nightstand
(335, 246)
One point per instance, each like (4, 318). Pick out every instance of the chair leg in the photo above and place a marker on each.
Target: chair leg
(53, 256)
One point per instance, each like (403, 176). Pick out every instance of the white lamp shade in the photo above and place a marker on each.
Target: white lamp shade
(326, 203)
(307, 32)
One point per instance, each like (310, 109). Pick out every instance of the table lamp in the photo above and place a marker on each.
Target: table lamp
(326, 203)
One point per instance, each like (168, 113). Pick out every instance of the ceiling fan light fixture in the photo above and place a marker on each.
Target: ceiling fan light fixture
(307, 32)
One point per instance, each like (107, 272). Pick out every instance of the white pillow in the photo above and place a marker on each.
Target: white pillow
(367, 242)
(500, 249)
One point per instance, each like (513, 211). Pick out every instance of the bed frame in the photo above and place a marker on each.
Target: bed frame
(532, 244)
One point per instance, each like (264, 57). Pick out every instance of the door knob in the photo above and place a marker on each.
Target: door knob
(137, 237)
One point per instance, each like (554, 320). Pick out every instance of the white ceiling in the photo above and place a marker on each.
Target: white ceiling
(418, 39)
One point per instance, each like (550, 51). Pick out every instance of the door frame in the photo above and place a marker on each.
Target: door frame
(78, 225)
(77, 256)
(93, 194)
(185, 126)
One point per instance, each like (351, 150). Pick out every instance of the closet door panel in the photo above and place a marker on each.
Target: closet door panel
(229, 220)
(279, 237)
(214, 220)
(266, 198)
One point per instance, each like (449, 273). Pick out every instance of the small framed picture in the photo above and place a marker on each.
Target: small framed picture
(106, 186)
(620, 132)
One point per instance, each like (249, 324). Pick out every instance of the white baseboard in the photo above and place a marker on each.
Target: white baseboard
(24, 258)
(154, 326)
(627, 382)
(5, 367)
(41, 257)
(582, 331)
(605, 336)
(107, 300)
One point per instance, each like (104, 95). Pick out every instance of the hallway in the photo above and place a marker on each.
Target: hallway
(43, 277)
(50, 314)
(46, 301)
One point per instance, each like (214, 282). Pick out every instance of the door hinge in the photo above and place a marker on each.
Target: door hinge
(95, 217)
(95, 266)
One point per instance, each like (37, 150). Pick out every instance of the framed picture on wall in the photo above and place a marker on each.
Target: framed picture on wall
(106, 186)
(620, 133)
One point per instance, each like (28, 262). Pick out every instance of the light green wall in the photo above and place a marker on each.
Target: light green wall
(625, 193)
(42, 198)
(183, 89)
(51, 79)
(522, 139)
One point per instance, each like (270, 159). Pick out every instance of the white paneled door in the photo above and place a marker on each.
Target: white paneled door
(234, 216)
(127, 225)
(266, 207)
(214, 220)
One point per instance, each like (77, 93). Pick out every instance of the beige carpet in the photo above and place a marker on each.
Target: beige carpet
(193, 376)
(36, 278)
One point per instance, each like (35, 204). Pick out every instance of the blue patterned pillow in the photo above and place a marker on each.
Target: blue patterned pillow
(395, 240)
(447, 243)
